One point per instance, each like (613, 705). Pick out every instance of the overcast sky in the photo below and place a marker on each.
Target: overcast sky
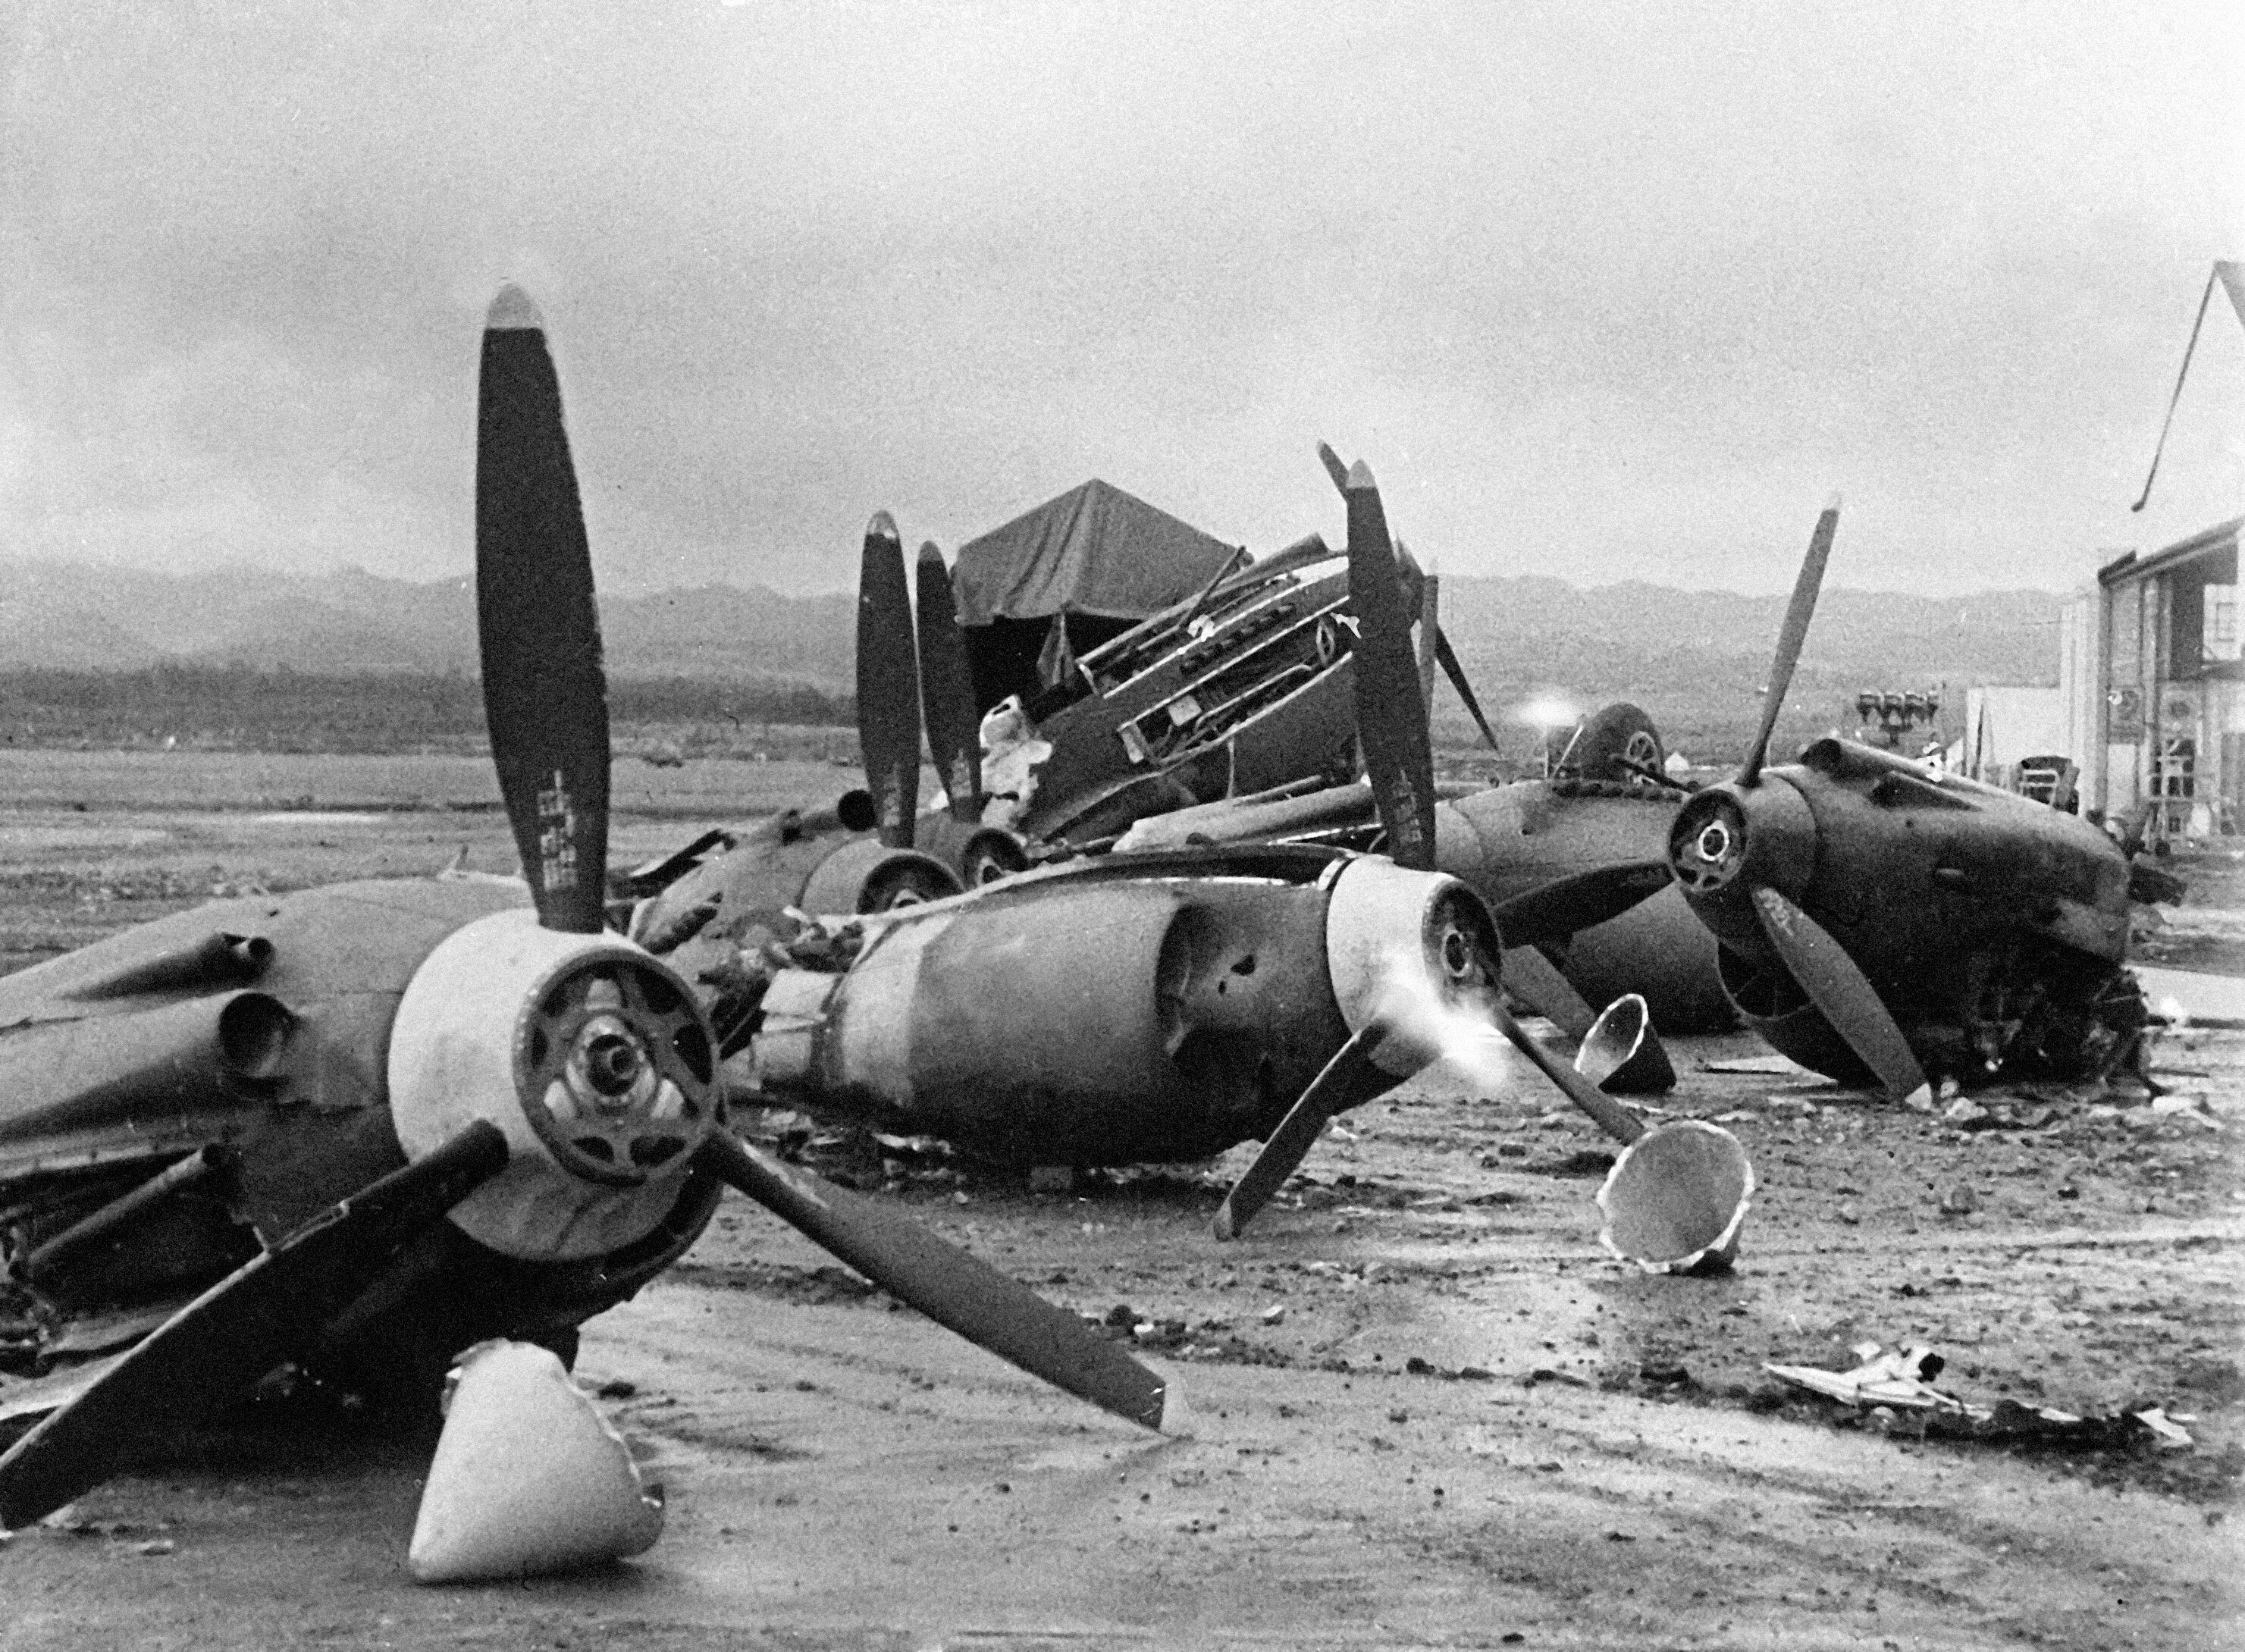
(1605, 292)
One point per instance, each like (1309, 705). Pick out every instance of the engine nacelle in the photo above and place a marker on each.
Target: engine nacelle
(1410, 950)
(592, 1056)
(1128, 1019)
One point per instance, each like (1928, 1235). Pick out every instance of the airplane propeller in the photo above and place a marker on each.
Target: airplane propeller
(540, 632)
(1332, 1090)
(947, 691)
(1391, 719)
(1547, 914)
(1790, 636)
(237, 1330)
(545, 694)
(1391, 706)
(888, 683)
(1713, 848)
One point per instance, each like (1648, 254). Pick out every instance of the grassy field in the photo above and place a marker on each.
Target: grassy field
(219, 781)
(91, 843)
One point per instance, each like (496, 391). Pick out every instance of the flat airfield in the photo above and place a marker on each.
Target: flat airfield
(1429, 1409)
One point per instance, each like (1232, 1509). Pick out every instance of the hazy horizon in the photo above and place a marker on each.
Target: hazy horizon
(218, 569)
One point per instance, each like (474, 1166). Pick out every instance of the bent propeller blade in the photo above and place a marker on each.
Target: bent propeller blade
(1790, 636)
(888, 683)
(1552, 911)
(1391, 711)
(1534, 978)
(1841, 993)
(954, 1289)
(545, 694)
(1328, 1092)
(1446, 657)
(1610, 1115)
(947, 690)
(215, 1347)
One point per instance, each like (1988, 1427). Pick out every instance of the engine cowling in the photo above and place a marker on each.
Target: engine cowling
(590, 1055)
(1410, 950)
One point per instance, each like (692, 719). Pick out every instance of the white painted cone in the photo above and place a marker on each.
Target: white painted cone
(1676, 1198)
(529, 1477)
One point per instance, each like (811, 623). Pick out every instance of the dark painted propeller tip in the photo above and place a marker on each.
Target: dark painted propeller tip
(513, 312)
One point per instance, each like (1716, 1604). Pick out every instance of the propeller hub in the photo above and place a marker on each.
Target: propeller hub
(1730, 839)
(614, 1069)
(609, 1069)
(592, 1056)
(1707, 846)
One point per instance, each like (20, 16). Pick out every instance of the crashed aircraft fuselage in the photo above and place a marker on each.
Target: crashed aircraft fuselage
(1123, 1009)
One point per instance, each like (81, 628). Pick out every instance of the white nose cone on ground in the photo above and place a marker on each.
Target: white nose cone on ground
(529, 1477)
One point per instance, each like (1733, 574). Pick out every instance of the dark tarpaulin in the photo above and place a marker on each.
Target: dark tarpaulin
(1095, 550)
(1096, 556)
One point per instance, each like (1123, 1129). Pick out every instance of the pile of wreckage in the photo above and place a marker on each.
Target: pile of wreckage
(366, 1127)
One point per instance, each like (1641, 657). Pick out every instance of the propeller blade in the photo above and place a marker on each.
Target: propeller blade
(1842, 994)
(1535, 979)
(1611, 1116)
(1332, 1090)
(215, 1347)
(943, 1282)
(888, 683)
(947, 691)
(1430, 610)
(1790, 636)
(1550, 912)
(545, 694)
(1391, 713)
(1334, 468)
(1445, 657)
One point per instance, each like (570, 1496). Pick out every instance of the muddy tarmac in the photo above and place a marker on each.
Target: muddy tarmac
(1429, 1409)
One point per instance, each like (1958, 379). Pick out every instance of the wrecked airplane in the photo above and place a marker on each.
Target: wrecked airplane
(1880, 921)
(1564, 862)
(1239, 686)
(366, 1125)
(1156, 1008)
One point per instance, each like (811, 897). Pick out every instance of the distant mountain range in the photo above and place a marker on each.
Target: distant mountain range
(84, 616)
(1695, 658)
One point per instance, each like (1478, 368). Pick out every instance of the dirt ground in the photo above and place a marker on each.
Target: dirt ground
(1430, 1410)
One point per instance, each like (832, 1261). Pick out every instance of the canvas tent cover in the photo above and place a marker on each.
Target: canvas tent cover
(1095, 550)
